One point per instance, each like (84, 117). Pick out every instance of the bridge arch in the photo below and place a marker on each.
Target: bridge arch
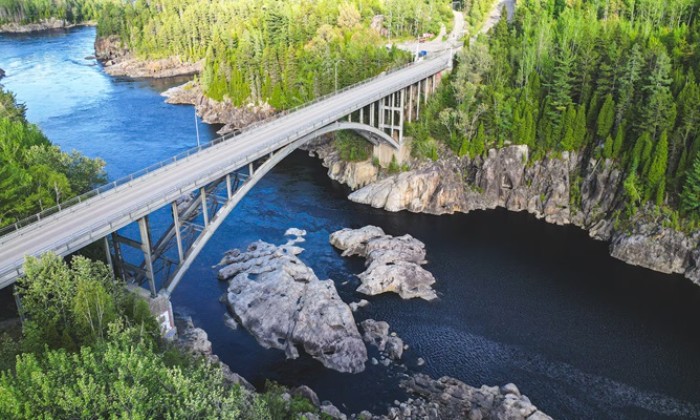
(373, 135)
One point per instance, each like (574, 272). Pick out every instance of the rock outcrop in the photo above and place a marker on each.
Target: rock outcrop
(282, 303)
(353, 174)
(214, 112)
(377, 334)
(118, 61)
(646, 243)
(195, 340)
(507, 178)
(449, 398)
(393, 263)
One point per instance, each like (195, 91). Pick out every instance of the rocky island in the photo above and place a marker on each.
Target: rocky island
(282, 303)
(393, 263)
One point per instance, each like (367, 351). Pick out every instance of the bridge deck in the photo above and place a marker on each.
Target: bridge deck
(79, 225)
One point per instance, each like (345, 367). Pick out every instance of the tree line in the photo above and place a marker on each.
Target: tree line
(612, 79)
(30, 11)
(282, 52)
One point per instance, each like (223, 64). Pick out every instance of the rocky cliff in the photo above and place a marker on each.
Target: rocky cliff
(507, 178)
(214, 112)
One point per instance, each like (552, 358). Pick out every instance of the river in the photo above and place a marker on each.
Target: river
(582, 334)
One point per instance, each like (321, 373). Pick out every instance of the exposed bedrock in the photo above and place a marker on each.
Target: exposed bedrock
(393, 263)
(218, 112)
(507, 178)
(119, 61)
(282, 303)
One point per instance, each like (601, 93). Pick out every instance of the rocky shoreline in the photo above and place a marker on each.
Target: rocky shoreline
(282, 303)
(42, 25)
(214, 112)
(120, 62)
(507, 178)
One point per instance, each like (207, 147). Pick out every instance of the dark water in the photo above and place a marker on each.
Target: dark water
(582, 334)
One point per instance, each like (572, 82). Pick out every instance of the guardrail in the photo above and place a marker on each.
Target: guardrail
(182, 156)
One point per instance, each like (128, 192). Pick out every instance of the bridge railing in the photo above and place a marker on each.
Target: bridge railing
(185, 154)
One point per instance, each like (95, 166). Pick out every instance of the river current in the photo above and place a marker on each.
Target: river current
(582, 334)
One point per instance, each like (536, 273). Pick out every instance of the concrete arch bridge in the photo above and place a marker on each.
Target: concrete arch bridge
(202, 186)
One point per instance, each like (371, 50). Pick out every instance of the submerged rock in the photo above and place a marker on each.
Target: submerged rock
(393, 263)
(282, 303)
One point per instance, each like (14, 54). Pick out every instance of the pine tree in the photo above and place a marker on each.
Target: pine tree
(606, 116)
(657, 171)
(619, 142)
(690, 198)
(608, 148)
(567, 134)
(580, 130)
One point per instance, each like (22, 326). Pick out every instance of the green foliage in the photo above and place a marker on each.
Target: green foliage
(119, 377)
(690, 199)
(606, 117)
(352, 147)
(284, 53)
(615, 79)
(28, 11)
(71, 306)
(35, 175)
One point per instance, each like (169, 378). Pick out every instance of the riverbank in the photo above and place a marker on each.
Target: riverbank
(565, 190)
(42, 25)
(118, 61)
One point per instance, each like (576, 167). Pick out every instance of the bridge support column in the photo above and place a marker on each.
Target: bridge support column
(118, 257)
(108, 256)
(205, 211)
(161, 308)
(178, 233)
(147, 256)
(418, 100)
(371, 113)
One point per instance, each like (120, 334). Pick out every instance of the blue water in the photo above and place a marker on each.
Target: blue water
(583, 335)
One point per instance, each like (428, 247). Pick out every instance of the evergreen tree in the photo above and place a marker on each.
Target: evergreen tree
(657, 171)
(690, 198)
(606, 116)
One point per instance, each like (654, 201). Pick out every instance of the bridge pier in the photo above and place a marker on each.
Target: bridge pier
(161, 308)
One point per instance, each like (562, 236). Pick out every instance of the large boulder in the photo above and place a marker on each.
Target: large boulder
(393, 263)
(282, 303)
(377, 334)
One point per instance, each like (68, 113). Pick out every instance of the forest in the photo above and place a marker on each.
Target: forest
(34, 174)
(281, 52)
(610, 79)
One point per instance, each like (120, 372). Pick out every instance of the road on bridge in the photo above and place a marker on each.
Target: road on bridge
(91, 220)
